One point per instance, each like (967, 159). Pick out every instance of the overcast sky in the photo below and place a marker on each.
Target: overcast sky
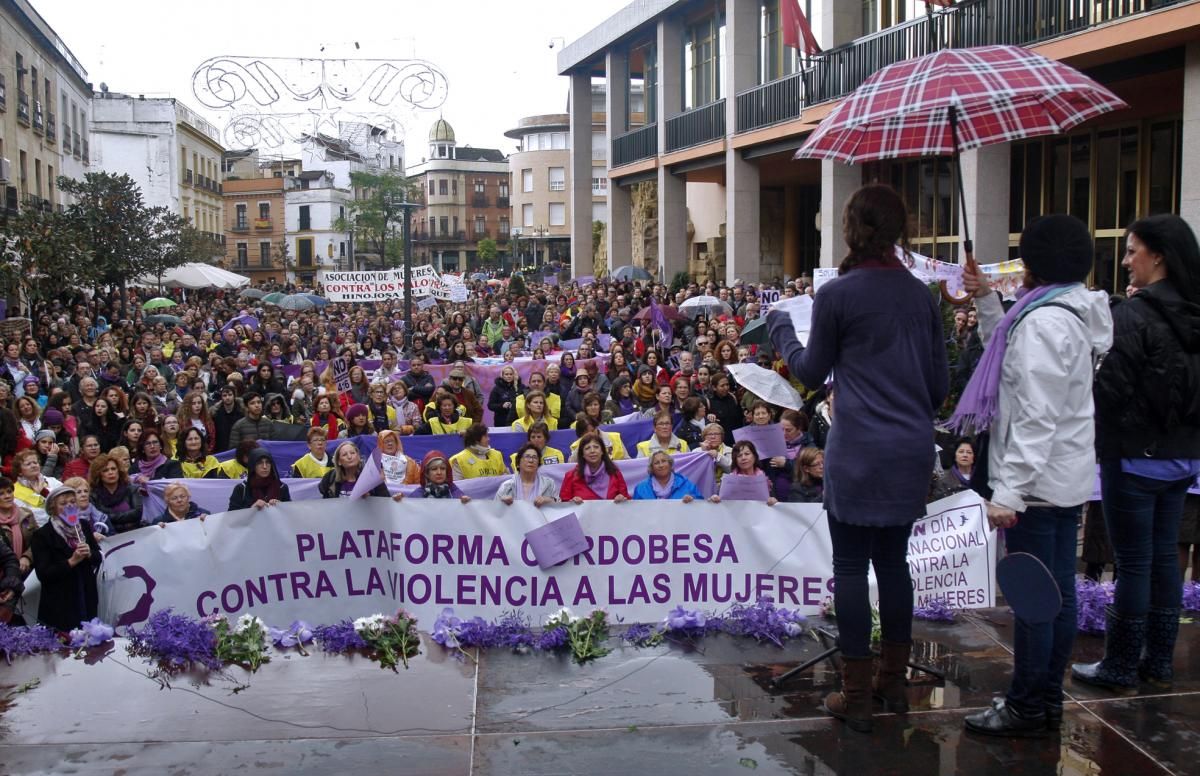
(496, 56)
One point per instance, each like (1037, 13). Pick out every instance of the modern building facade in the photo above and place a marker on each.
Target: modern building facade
(173, 155)
(44, 110)
(541, 227)
(727, 103)
(255, 233)
(314, 208)
(466, 200)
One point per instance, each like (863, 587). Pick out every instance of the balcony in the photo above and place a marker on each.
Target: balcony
(86, 158)
(262, 223)
(440, 237)
(240, 225)
(839, 71)
(76, 145)
(39, 117)
(23, 108)
(51, 128)
(696, 126)
(479, 200)
(3, 94)
(635, 145)
(187, 178)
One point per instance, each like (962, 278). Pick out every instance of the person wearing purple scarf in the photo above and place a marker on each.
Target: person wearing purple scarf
(1032, 391)
(878, 330)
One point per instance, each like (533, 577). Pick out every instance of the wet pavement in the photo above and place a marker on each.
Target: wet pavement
(697, 708)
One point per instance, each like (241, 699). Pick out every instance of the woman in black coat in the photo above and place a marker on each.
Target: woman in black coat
(152, 461)
(502, 401)
(114, 495)
(66, 559)
(723, 407)
(262, 486)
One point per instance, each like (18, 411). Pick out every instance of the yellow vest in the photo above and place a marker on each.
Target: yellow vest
(645, 451)
(467, 465)
(27, 496)
(550, 455)
(310, 467)
(553, 406)
(616, 448)
(436, 426)
(524, 422)
(195, 471)
(233, 470)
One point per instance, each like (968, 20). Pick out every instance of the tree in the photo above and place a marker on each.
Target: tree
(162, 248)
(486, 251)
(281, 253)
(377, 223)
(40, 255)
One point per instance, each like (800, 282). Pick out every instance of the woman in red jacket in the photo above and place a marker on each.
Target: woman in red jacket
(595, 478)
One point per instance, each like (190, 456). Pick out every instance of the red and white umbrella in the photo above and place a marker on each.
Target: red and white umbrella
(955, 100)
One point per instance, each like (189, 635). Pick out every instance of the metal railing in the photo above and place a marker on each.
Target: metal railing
(240, 225)
(51, 128)
(22, 107)
(39, 118)
(770, 103)
(696, 126)
(637, 144)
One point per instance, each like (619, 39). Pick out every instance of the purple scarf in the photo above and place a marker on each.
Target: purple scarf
(597, 480)
(977, 407)
(661, 490)
(147, 468)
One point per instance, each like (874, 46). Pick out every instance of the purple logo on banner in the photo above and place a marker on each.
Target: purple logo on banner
(557, 541)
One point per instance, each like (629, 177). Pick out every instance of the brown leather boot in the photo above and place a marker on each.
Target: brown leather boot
(853, 704)
(892, 677)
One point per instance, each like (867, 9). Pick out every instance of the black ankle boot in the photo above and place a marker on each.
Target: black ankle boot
(1123, 641)
(1156, 668)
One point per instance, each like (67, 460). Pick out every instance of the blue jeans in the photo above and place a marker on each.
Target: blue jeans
(1041, 650)
(854, 548)
(1142, 516)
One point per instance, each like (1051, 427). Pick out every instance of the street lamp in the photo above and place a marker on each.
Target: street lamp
(538, 232)
(389, 207)
(518, 262)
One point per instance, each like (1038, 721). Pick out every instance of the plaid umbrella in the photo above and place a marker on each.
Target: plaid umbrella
(955, 100)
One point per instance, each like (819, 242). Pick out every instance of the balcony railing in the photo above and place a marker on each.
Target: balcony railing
(837, 72)
(635, 145)
(3, 94)
(479, 200)
(76, 145)
(23, 108)
(39, 117)
(187, 177)
(51, 128)
(439, 237)
(240, 225)
(86, 159)
(696, 126)
(502, 202)
(262, 223)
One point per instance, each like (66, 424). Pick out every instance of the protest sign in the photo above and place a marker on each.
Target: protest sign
(426, 303)
(292, 562)
(377, 286)
(766, 299)
(341, 373)
(768, 440)
(459, 293)
(557, 541)
(799, 309)
(740, 487)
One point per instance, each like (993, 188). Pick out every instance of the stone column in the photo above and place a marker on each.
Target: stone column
(580, 173)
(791, 232)
(986, 177)
(742, 198)
(618, 233)
(1189, 192)
(836, 22)
(838, 182)
(672, 190)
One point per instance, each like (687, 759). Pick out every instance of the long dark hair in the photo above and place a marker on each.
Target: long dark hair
(874, 222)
(581, 466)
(1169, 236)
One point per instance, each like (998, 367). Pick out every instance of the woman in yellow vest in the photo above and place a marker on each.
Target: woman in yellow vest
(612, 440)
(664, 439)
(316, 462)
(477, 458)
(537, 382)
(448, 419)
(533, 410)
(539, 437)
(431, 406)
(235, 467)
(193, 454)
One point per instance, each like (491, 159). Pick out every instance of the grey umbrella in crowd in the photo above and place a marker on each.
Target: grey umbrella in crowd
(252, 293)
(296, 302)
(630, 272)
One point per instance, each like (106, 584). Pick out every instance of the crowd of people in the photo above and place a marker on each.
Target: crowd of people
(96, 403)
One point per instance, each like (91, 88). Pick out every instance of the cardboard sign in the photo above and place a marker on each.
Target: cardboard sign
(557, 541)
(766, 299)
(341, 373)
(459, 293)
(426, 303)
(768, 440)
(743, 487)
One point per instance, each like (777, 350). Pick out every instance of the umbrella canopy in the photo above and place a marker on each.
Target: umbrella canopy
(766, 385)
(704, 306)
(197, 275)
(252, 293)
(630, 272)
(242, 320)
(274, 297)
(158, 303)
(755, 333)
(479, 276)
(319, 301)
(670, 313)
(166, 320)
(296, 302)
(995, 94)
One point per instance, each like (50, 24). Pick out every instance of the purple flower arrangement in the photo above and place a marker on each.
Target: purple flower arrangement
(339, 638)
(175, 641)
(763, 622)
(1091, 598)
(27, 640)
(297, 635)
(937, 609)
(92, 633)
(1191, 596)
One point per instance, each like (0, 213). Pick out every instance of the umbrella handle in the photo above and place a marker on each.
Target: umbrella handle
(968, 262)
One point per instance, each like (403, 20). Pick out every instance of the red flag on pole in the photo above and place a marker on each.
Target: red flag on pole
(797, 32)
(940, 3)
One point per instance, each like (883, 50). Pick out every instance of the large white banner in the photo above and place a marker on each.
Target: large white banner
(377, 286)
(323, 561)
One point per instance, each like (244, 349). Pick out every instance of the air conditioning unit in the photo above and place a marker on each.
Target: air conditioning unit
(5, 169)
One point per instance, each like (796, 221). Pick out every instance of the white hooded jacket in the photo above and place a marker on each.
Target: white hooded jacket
(1043, 436)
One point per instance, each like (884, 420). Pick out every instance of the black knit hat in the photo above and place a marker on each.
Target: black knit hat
(1057, 249)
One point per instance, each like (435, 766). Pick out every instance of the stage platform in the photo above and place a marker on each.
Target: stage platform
(673, 709)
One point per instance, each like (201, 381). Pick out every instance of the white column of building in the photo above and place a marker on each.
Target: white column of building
(742, 206)
(619, 230)
(1189, 190)
(581, 174)
(672, 190)
(986, 175)
(836, 23)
